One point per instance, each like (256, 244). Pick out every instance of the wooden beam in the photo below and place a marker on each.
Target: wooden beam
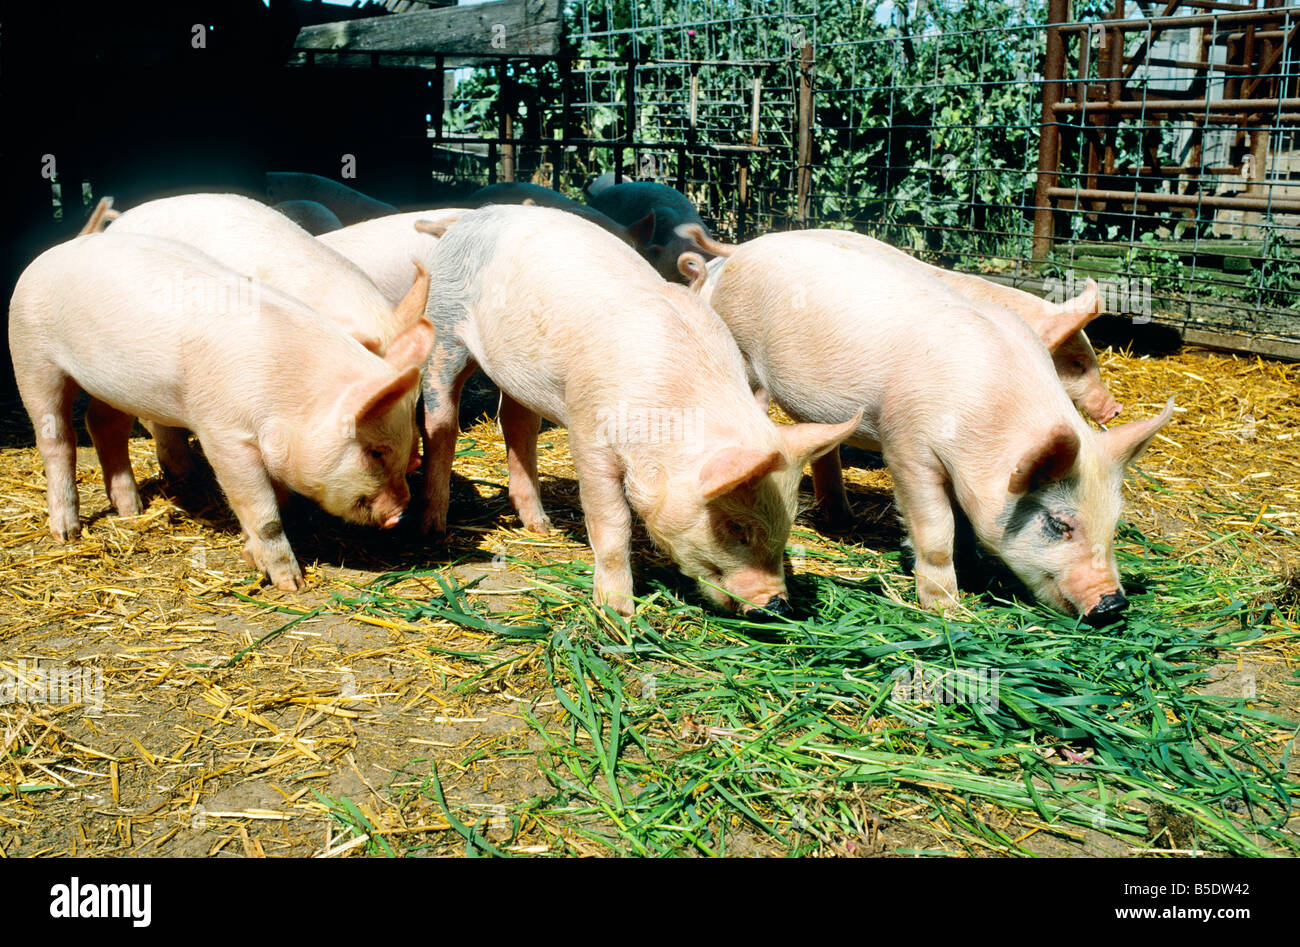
(1224, 340)
(502, 28)
(1240, 342)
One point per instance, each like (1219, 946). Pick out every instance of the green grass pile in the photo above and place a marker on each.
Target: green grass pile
(689, 731)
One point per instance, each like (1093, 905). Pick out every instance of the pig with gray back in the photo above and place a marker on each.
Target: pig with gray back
(256, 241)
(518, 192)
(573, 326)
(1059, 325)
(311, 216)
(677, 229)
(604, 182)
(280, 398)
(829, 330)
(346, 203)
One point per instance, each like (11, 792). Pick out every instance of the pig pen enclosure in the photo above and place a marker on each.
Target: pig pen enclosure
(466, 697)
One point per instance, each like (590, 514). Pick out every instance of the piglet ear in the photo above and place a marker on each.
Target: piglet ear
(368, 342)
(734, 467)
(806, 442)
(413, 304)
(1125, 444)
(368, 401)
(1050, 459)
(436, 228)
(100, 217)
(1070, 317)
(703, 241)
(412, 347)
(642, 232)
(691, 265)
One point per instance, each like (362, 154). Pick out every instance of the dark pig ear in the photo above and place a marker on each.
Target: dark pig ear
(733, 467)
(1049, 460)
(1125, 444)
(703, 241)
(691, 265)
(643, 231)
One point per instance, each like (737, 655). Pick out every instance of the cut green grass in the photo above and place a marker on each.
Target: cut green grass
(685, 730)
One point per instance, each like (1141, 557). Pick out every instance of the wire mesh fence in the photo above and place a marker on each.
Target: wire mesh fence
(1153, 147)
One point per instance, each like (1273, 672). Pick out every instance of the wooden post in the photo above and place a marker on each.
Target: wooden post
(1049, 137)
(804, 133)
(629, 118)
(1259, 144)
(1114, 40)
(1199, 89)
(561, 154)
(685, 150)
(505, 105)
(742, 212)
(439, 95)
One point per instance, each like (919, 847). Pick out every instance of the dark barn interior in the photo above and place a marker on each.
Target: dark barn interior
(130, 100)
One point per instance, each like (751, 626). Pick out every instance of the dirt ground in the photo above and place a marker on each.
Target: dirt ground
(325, 738)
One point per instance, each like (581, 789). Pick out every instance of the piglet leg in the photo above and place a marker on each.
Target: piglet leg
(252, 495)
(520, 427)
(609, 528)
(110, 429)
(445, 376)
(173, 447)
(828, 485)
(49, 396)
(926, 508)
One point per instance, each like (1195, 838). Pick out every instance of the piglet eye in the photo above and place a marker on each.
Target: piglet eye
(738, 533)
(1057, 528)
(377, 454)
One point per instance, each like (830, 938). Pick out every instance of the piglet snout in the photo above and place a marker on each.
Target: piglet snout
(1109, 609)
(778, 606)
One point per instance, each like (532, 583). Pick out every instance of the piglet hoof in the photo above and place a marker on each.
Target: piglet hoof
(837, 514)
(284, 573)
(290, 583)
(433, 525)
(619, 601)
(64, 532)
(936, 598)
(129, 507)
(539, 523)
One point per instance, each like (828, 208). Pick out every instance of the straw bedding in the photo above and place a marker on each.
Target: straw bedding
(442, 698)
